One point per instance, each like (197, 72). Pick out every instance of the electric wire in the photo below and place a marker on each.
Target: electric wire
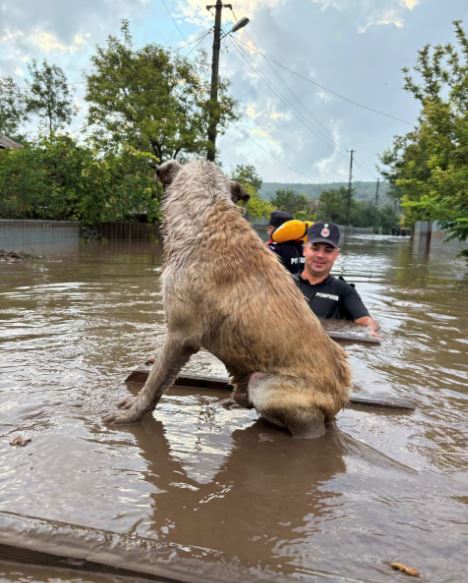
(272, 88)
(299, 102)
(174, 21)
(198, 42)
(295, 97)
(343, 97)
(259, 145)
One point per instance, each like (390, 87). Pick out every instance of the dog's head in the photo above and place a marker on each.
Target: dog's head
(237, 192)
(167, 172)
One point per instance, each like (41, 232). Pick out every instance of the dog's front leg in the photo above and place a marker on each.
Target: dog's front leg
(175, 353)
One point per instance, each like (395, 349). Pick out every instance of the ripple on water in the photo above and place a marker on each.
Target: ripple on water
(199, 476)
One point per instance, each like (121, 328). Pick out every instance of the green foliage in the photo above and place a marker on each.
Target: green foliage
(58, 179)
(12, 108)
(23, 182)
(361, 190)
(387, 220)
(49, 95)
(332, 206)
(299, 205)
(151, 99)
(429, 164)
(251, 182)
(146, 106)
(246, 174)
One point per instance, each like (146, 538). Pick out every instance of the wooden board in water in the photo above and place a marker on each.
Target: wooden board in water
(140, 375)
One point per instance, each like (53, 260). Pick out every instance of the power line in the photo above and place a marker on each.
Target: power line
(174, 21)
(311, 81)
(198, 42)
(296, 113)
(293, 109)
(295, 97)
(277, 159)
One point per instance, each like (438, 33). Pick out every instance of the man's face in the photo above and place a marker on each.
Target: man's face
(320, 257)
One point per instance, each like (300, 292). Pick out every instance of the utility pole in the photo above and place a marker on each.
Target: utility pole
(213, 105)
(348, 199)
(376, 206)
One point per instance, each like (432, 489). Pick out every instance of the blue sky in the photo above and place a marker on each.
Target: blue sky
(294, 127)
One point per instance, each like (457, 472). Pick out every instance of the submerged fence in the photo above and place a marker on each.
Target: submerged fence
(43, 237)
(127, 231)
(37, 237)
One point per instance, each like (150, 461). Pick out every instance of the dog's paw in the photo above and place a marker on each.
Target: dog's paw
(130, 416)
(131, 410)
(127, 402)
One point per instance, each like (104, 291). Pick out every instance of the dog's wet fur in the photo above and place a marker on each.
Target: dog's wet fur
(225, 292)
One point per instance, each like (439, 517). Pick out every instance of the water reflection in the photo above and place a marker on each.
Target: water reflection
(250, 492)
(197, 475)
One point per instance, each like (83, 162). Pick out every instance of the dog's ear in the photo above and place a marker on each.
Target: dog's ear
(167, 172)
(237, 192)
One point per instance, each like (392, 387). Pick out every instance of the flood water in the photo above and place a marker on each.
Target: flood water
(221, 495)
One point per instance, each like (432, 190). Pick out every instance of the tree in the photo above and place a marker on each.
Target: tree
(12, 107)
(23, 182)
(247, 174)
(251, 182)
(151, 99)
(49, 95)
(332, 205)
(387, 219)
(56, 178)
(428, 165)
(292, 202)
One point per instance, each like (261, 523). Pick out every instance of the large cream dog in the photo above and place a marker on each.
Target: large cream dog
(225, 292)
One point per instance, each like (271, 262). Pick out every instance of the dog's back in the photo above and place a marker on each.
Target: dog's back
(254, 318)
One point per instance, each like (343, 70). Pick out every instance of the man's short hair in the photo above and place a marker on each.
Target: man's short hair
(277, 218)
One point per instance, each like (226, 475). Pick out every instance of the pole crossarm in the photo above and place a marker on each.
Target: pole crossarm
(213, 111)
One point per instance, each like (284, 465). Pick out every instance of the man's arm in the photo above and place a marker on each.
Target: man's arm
(372, 324)
(358, 312)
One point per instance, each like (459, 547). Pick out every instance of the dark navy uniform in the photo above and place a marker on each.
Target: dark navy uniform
(290, 254)
(332, 299)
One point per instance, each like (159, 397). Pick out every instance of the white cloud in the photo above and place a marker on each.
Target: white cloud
(10, 37)
(334, 164)
(381, 13)
(50, 43)
(338, 4)
(390, 17)
(195, 10)
(409, 4)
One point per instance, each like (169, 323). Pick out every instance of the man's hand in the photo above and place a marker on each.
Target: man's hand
(372, 324)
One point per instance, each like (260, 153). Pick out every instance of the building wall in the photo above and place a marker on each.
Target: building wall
(429, 236)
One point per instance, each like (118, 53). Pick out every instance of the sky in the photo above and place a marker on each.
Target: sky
(313, 78)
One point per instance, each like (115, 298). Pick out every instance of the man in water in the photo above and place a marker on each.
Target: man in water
(290, 252)
(330, 297)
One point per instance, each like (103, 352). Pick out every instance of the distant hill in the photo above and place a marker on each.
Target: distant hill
(361, 190)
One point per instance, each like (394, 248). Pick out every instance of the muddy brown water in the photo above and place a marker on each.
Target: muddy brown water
(219, 495)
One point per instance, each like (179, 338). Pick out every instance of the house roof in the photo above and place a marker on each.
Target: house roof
(7, 143)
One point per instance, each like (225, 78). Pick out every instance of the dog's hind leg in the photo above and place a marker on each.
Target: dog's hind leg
(308, 424)
(177, 350)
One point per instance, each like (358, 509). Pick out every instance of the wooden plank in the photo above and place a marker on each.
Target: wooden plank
(346, 337)
(140, 375)
(112, 555)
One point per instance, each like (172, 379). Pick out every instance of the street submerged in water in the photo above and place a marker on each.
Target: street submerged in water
(199, 493)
